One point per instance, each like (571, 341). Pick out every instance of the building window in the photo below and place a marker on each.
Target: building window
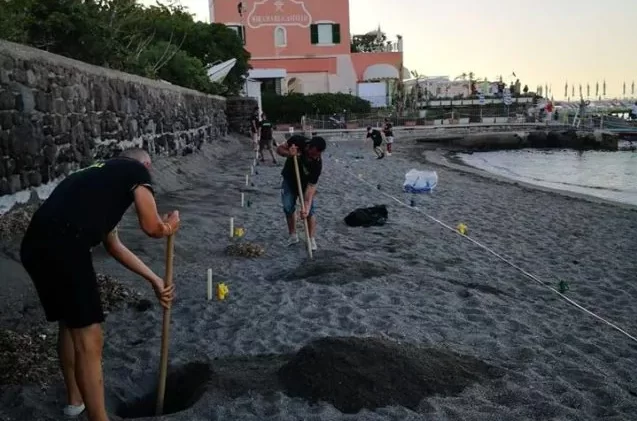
(325, 33)
(240, 30)
(280, 37)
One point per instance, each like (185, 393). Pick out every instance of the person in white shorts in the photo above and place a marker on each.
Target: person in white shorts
(388, 131)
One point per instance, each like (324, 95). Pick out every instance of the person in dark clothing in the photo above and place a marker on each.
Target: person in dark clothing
(267, 139)
(377, 139)
(82, 211)
(310, 164)
(388, 131)
(254, 129)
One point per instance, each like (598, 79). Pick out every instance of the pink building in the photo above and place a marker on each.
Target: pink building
(304, 47)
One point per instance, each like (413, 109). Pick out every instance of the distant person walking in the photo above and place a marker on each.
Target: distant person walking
(377, 141)
(254, 128)
(266, 140)
(310, 164)
(388, 131)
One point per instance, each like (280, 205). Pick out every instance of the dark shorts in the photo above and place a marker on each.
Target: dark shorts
(61, 268)
(377, 143)
(266, 143)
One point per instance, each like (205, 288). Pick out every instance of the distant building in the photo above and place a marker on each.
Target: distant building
(304, 47)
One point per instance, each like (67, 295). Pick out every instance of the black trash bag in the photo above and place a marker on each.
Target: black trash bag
(367, 217)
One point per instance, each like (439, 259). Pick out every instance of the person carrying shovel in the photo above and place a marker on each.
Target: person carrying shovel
(82, 211)
(308, 153)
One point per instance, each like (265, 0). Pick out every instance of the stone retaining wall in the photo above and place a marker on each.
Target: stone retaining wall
(59, 114)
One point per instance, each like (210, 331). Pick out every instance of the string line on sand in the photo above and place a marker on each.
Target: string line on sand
(497, 255)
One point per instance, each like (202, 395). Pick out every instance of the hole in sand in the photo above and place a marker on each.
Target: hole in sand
(185, 385)
(357, 373)
(336, 269)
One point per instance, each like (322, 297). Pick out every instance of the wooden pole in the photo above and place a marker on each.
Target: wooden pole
(163, 368)
(302, 200)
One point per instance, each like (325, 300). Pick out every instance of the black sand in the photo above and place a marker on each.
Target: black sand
(409, 281)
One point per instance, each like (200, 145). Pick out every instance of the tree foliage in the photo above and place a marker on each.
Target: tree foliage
(289, 108)
(161, 41)
(368, 43)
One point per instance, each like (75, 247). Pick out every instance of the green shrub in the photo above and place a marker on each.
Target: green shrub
(289, 108)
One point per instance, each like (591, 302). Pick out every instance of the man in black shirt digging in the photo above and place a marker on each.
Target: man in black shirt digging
(82, 211)
(377, 139)
(308, 152)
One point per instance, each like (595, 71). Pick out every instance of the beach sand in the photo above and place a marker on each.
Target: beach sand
(457, 333)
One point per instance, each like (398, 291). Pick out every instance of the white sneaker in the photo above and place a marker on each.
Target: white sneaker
(73, 411)
(294, 239)
(388, 154)
(313, 244)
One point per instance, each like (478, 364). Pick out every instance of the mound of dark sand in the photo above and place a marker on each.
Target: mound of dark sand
(246, 249)
(29, 357)
(28, 352)
(13, 225)
(336, 269)
(357, 373)
(113, 294)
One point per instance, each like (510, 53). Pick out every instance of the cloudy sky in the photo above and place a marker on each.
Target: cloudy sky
(542, 41)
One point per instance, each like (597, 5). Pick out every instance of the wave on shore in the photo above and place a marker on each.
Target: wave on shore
(608, 175)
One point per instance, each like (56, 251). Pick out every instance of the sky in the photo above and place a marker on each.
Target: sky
(543, 41)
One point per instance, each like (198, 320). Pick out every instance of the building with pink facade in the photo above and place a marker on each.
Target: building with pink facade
(304, 46)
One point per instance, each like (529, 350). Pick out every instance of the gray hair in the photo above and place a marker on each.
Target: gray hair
(137, 154)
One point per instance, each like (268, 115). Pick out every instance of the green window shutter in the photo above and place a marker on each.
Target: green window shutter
(336, 33)
(314, 34)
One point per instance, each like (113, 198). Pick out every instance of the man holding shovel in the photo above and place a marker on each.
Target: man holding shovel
(308, 153)
(82, 211)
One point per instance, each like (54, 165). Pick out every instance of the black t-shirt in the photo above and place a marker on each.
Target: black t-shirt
(388, 129)
(309, 169)
(266, 130)
(377, 138)
(93, 200)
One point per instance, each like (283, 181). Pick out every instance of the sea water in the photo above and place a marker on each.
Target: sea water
(608, 175)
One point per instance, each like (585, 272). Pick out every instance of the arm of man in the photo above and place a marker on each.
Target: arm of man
(149, 220)
(310, 190)
(133, 263)
(308, 196)
(284, 148)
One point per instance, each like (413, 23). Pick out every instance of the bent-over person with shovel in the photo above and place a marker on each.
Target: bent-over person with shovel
(82, 211)
(308, 152)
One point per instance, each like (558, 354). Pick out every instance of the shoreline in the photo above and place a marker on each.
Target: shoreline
(446, 158)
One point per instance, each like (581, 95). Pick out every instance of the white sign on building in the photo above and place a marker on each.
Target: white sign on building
(279, 13)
